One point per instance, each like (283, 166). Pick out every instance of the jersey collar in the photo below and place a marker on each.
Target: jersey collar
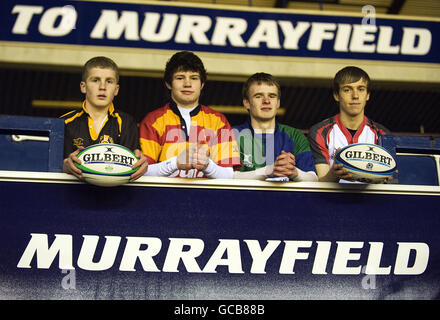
(249, 126)
(111, 109)
(174, 108)
(350, 139)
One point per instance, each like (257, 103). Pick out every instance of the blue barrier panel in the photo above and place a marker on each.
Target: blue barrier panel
(31, 143)
(414, 163)
(392, 142)
(417, 170)
(167, 239)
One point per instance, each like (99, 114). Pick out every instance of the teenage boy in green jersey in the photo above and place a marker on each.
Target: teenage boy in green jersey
(269, 149)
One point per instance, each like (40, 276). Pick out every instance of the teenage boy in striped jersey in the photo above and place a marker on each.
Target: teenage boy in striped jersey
(98, 121)
(185, 138)
(351, 90)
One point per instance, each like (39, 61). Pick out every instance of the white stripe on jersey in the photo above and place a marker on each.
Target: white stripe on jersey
(337, 139)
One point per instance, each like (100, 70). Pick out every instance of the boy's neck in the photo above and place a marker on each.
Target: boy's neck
(187, 106)
(352, 123)
(96, 113)
(263, 126)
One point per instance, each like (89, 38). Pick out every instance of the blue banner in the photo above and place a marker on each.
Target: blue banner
(167, 239)
(169, 27)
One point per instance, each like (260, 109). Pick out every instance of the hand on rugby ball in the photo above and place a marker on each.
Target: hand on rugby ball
(142, 163)
(68, 164)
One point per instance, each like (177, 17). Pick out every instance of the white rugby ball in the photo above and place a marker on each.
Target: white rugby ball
(106, 164)
(367, 162)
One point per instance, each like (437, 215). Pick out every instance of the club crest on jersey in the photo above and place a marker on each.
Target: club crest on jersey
(247, 160)
(78, 142)
(106, 139)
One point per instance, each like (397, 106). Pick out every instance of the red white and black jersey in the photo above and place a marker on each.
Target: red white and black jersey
(330, 134)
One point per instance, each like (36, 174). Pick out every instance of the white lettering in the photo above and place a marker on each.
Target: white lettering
(384, 41)
(233, 260)
(195, 27)
(88, 249)
(411, 258)
(416, 41)
(342, 37)
(421, 251)
(231, 29)
(320, 31)
(188, 257)
(343, 255)
(113, 26)
(361, 35)
(150, 32)
(321, 257)
(38, 246)
(67, 24)
(260, 257)
(24, 17)
(374, 257)
(133, 251)
(291, 254)
(293, 35)
(266, 31)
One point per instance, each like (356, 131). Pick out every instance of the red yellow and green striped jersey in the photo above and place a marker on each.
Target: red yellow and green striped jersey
(163, 136)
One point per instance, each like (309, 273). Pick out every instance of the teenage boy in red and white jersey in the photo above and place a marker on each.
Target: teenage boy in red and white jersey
(351, 89)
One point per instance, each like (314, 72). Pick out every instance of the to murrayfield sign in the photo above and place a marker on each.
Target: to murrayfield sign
(169, 27)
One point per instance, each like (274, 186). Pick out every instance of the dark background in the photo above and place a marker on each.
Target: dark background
(401, 107)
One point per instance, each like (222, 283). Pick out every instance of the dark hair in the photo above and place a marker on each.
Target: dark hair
(184, 61)
(259, 77)
(100, 62)
(350, 74)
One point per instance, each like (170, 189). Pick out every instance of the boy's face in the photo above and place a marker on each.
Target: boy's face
(352, 97)
(186, 87)
(263, 101)
(100, 87)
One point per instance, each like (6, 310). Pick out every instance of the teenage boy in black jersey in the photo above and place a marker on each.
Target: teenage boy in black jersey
(98, 121)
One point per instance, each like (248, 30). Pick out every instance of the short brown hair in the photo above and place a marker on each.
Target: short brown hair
(184, 61)
(100, 62)
(350, 74)
(259, 77)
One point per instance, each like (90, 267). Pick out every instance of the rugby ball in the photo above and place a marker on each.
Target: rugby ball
(106, 164)
(367, 162)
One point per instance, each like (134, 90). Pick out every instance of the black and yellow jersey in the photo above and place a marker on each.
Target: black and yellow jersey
(79, 130)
